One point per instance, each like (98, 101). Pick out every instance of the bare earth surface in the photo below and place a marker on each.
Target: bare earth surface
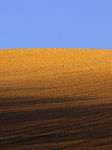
(55, 99)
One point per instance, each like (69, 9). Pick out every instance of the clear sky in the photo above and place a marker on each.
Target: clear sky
(56, 24)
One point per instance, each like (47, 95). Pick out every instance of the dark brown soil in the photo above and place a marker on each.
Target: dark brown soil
(25, 125)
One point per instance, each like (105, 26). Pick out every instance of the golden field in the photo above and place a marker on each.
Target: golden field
(55, 99)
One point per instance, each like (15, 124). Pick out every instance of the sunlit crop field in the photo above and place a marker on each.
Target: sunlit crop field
(55, 99)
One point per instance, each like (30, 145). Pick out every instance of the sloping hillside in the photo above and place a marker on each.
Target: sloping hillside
(55, 99)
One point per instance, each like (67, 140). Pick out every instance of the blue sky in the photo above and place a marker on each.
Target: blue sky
(56, 24)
